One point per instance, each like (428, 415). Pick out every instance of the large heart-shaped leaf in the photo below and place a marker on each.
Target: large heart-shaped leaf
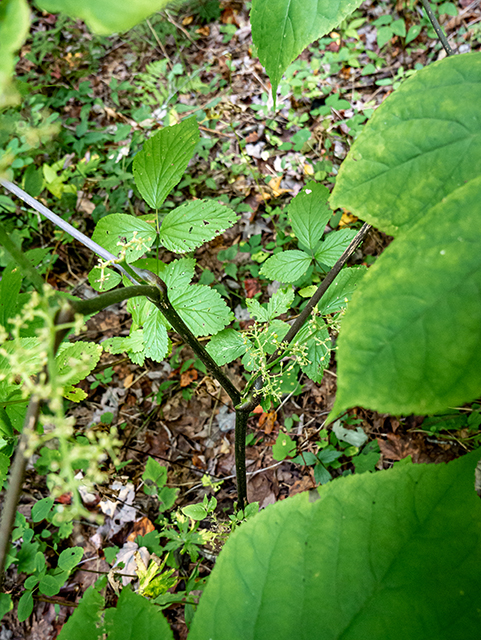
(393, 554)
(105, 16)
(282, 29)
(163, 160)
(420, 145)
(410, 340)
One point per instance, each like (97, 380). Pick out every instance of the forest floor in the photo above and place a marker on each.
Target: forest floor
(109, 94)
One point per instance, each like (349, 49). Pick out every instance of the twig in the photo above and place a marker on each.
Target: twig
(437, 27)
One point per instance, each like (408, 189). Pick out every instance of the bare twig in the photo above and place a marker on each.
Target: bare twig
(437, 27)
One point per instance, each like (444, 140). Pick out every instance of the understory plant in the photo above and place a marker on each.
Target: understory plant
(386, 555)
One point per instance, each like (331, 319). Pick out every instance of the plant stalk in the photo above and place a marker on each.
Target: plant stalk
(437, 27)
(241, 418)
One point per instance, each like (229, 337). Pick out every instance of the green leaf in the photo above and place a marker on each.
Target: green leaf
(418, 147)
(176, 274)
(194, 511)
(340, 291)
(77, 360)
(334, 246)
(14, 26)
(25, 606)
(163, 160)
(384, 35)
(69, 558)
(6, 604)
(309, 214)
(135, 618)
(202, 309)
(41, 509)
(156, 339)
(85, 622)
(283, 447)
(51, 584)
(155, 472)
(287, 266)
(374, 557)
(127, 230)
(410, 339)
(193, 223)
(315, 336)
(133, 343)
(9, 290)
(356, 437)
(4, 466)
(104, 279)
(280, 303)
(282, 29)
(167, 498)
(227, 345)
(105, 16)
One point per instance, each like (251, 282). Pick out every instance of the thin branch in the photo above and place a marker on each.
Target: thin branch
(437, 27)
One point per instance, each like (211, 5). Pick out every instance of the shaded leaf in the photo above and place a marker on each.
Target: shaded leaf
(309, 214)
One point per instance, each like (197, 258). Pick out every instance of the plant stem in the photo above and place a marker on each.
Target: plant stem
(99, 303)
(437, 27)
(241, 418)
(17, 472)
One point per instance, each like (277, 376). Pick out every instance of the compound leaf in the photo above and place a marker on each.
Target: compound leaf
(118, 230)
(193, 223)
(202, 309)
(282, 29)
(309, 214)
(105, 16)
(374, 556)
(287, 266)
(163, 160)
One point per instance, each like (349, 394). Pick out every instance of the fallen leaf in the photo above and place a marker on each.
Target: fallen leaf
(203, 31)
(188, 377)
(141, 528)
(252, 286)
(229, 16)
(252, 137)
(187, 20)
(128, 381)
(267, 421)
(347, 219)
(308, 169)
(275, 185)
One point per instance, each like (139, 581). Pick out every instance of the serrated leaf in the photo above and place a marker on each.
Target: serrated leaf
(332, 248)
(287, 266)
(74, 394)
(256, 310)
(418, 147)
(134, 343)
(410, 336)
(374, 557)
(118, 230)
(282, 29)
(163, 160)
(135, 618)
(69, 558)
(193, 223)
(9, 290)
(156, 340)
(85, 622)
(202, 309)
(176, 274)
(227, 345)
(77, 360)
(315, 336)
(309, 214)
(340, 291)
(105, 16)
(280, 303)
(104, 279)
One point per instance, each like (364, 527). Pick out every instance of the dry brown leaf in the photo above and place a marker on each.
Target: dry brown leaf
(141, 528)
(187, 20)
(128, 381)
(347, 219)
(188, 377)
(275, 185)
